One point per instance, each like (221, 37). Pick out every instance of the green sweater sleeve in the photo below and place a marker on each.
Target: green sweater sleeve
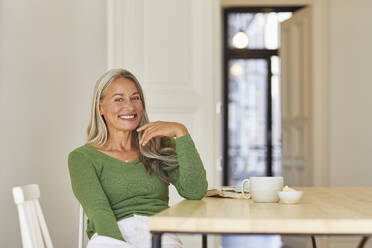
(88, 190)
(190, 177)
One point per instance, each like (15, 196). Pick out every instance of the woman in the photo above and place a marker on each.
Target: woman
(121, 175)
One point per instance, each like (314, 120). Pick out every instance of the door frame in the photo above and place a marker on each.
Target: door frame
(320, 79)
(230, 53)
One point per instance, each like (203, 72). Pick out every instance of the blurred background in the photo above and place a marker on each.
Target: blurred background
(270, 87)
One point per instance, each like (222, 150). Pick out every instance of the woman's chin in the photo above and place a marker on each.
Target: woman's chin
(129, 127)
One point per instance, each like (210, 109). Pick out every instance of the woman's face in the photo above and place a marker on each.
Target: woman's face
(122, 105)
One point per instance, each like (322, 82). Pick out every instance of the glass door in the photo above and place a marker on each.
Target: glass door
(252, 129)
(247, 118)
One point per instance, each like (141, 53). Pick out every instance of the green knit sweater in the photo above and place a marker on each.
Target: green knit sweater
(109, 189)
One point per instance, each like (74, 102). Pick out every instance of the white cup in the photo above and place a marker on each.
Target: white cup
(263, 189)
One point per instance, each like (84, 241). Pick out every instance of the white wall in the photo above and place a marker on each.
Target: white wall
(350, 73)
(51, 53)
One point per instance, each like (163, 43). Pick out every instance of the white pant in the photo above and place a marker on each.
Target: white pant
(135, 231)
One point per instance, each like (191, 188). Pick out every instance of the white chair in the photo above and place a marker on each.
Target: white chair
(82, 224)
(34, 230)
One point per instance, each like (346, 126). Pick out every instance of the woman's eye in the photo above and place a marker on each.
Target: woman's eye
(136, 98)
(118, 99)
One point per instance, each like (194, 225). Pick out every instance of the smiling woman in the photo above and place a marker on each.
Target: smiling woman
(121, 175)
(121, 106)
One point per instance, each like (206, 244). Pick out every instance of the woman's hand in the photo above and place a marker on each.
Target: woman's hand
(159, 129)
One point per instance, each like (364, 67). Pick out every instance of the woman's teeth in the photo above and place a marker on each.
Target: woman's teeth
(126, 116)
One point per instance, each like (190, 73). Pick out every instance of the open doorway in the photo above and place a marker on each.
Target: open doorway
(252, 101)
(252, 105)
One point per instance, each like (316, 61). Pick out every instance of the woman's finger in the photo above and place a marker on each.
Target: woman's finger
(145, 133)
(151, 134)
(144, 126)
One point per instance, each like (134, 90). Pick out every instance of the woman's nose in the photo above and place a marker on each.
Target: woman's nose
(128, 104)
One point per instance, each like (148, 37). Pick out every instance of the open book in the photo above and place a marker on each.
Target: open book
(227, 191)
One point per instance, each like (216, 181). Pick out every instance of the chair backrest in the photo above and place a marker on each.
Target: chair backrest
(34, 230)
(82, 220)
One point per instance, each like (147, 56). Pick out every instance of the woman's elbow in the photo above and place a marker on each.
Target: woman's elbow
(197, 194)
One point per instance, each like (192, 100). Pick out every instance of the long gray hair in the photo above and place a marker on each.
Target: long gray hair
(158, 155)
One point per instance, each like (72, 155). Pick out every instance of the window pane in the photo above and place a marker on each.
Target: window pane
(247, 118)
(275, 65)
(276, 125)
(276, 115)
(261, 29)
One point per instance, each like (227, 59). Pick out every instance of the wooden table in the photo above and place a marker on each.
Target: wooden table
(321, 211)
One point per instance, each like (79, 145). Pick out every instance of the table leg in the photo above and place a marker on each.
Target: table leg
(363, 242)
(205, 241)
(313, 241)
(156, 240)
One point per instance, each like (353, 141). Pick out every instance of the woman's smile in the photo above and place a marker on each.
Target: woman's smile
(131, 117)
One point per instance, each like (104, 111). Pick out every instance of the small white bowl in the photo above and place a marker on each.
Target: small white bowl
(290, 197)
